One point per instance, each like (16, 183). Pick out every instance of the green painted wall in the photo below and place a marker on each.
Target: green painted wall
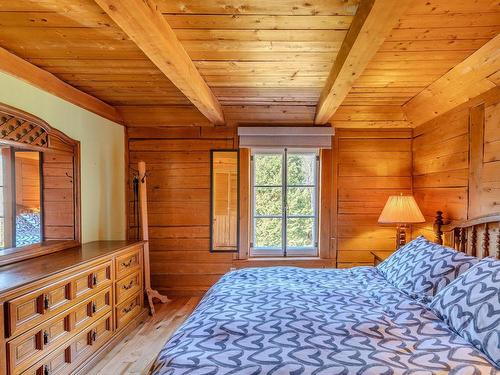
(102, 147)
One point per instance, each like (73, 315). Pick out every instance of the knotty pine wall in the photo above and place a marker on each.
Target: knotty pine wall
(58, 174)
(178, 164)
(456, 162)
(178, 186)
(368, 166)
(371, 165)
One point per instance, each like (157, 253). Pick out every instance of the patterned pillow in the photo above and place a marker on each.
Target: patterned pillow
(470, 305)
(422, 268)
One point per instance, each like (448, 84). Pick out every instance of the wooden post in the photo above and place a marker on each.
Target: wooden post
(143, 202)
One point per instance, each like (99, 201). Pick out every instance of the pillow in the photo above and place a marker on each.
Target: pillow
(470, 305)
(422, 268)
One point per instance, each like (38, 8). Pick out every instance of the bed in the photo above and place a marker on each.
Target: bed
(286, 320)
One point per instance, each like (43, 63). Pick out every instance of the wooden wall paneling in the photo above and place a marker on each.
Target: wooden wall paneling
(372, 164)
(491, 136)
(178, 195)
(27, 182)
(490, 186)
(179, 213)
(325, 204)
(453, 167)
(58, 191)
(476, 149)
(369, 116)
(334, 200)
(244, 203)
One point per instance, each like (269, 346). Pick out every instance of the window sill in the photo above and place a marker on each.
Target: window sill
(262, 258)
(308, 262)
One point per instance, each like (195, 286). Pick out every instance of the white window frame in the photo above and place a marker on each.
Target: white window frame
(285, 251)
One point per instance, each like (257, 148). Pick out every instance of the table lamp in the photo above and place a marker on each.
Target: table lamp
(401, 210)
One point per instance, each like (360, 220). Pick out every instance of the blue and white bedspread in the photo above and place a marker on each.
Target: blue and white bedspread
(285, 320)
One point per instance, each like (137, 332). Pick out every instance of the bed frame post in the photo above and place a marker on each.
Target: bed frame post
(438, 225)
(143, 201)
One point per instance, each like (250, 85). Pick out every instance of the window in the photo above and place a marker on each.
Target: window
(284, 202)
(20, 193)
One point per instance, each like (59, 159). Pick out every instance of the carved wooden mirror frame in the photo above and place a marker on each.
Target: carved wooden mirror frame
(26, 132)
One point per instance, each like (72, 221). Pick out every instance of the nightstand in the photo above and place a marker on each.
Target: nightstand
(380, 255)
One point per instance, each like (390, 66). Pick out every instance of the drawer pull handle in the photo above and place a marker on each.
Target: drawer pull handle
(126, 310)
(94, 279)
(46, 301)
(94, 335)
(46, 370)
(130, 285)
(94, 307)
(45, 337)
(127, 264)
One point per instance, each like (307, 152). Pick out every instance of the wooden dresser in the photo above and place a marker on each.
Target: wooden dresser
(63, 311)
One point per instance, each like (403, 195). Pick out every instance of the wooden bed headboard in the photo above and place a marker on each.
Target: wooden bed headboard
(477, 237)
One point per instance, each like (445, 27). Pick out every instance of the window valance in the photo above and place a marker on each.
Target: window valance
(300, 137)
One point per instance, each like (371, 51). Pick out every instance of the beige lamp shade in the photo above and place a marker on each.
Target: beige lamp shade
(401, 209)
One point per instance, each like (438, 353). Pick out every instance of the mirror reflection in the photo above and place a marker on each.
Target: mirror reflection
(20, 208)
(224, 233)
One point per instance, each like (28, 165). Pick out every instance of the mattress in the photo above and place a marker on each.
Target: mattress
(287, 320)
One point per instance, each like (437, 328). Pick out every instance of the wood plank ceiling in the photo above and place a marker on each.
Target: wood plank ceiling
(265, 61)
(429, 40)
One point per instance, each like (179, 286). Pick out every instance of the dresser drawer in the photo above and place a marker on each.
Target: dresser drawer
(127, 263)
(128, 286)
(91, 339)
(58, 363)
(89, 311)
(128, 310)
(85, 282)
(69, 356)
(26, 349)
(30, 309)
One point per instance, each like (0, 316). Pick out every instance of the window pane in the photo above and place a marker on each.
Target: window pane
(268, 201)
(267, 233)
(301, 168)
(267, 169)
(300, 232)
(300, 201)
(28, 215)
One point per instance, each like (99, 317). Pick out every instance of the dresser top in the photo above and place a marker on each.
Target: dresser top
(18, 274)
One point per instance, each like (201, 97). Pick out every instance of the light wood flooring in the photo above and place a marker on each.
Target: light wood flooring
(137, 352)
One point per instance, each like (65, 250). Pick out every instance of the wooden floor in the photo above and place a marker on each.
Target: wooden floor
(137, 352)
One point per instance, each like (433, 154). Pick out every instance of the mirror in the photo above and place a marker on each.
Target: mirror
(224, 202)
(28, 215)
(39, 187)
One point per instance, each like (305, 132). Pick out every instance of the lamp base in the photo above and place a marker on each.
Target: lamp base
(401, 235)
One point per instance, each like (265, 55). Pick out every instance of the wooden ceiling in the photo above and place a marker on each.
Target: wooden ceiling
(264, 60)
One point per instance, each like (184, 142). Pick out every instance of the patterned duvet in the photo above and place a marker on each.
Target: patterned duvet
(285, 320)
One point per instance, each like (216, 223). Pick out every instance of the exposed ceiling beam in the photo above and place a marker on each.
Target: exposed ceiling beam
(22, 69)
(465, 81)
(372, 23)
(146, 26)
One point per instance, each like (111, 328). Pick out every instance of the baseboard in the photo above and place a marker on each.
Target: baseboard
(86, 366)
